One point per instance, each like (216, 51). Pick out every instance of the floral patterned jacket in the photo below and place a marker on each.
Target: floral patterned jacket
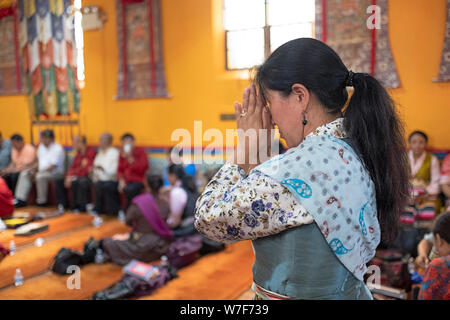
(236, 207)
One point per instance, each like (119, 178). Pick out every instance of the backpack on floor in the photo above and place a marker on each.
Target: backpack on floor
(133, 287)
(65, 258)
(184, 251)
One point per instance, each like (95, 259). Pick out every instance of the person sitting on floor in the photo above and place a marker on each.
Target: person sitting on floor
(436, 281)
(174, 156)
(49, 167)
(424, 178)
(183, 196)
(425, 251)
(77, 177)
(133, 166)
(150, 237)
(6, 200)
(23, 157)
(445, 180)
(104, 175)
(5, 152)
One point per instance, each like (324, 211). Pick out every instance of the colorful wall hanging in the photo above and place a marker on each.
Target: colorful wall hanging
(342, 24)
(11, 68)
(141, 67)
(47, 43)
(444, 70)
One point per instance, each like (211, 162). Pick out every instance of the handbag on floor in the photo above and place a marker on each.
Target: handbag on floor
(133, 287)
(65, 258)
(184, 251)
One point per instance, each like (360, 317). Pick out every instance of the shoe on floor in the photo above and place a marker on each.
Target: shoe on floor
(19, 203)
(42, 205)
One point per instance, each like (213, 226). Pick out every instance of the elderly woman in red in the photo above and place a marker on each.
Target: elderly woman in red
(6, 200)
(436, 281)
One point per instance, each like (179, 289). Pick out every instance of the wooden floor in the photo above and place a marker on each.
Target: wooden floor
(224, 275)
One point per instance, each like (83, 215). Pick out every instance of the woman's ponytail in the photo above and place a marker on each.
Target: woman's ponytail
(371, 121)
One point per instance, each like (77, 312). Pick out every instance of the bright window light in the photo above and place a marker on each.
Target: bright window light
(79, 41)
(255, 28)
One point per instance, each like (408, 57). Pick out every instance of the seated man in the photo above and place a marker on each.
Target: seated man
(104, 175)
(49, 167)
(23, 157)
(5, 152)
(133, 166)
(77, 177)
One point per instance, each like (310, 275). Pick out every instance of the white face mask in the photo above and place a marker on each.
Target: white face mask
(127, 148)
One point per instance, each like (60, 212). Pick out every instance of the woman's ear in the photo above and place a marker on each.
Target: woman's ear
(301, 95)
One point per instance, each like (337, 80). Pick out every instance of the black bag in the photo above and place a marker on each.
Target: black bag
(132, 287)
(210, 246)
(65, 258)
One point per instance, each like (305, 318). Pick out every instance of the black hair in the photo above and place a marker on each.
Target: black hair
(370, 118)
(442, 226)
(16, 137)
(126, 135)
(187, 182)
(48, 133)
(180, 151)
(420, 133)
(155, 182)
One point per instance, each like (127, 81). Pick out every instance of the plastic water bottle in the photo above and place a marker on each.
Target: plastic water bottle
(89, 207)
(98, 221)
(39, 242)
(99, 256)
(12, 248)
(18, 278)
(2, 226)
(60, 209)
(121, 216)
(164, 261)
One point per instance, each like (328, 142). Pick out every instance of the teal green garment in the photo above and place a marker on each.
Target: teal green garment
(298, 263)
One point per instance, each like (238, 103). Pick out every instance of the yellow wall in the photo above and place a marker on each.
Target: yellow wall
(193, 43)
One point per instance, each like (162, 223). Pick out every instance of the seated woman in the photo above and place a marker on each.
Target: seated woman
(183, 196)
(424, 177)
(150, 237)
(6, 200)
(445, 180)
(436, 281)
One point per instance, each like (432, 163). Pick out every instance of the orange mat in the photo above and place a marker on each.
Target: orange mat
(221, 276)
(35, 260)
(224, 275)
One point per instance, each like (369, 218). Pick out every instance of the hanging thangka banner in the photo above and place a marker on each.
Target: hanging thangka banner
(47, 43)
(358, 31)
(141, 67)
(444, 70)
(11, 77)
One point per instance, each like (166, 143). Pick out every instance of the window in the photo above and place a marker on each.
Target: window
(79, 41)
(255, 28)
